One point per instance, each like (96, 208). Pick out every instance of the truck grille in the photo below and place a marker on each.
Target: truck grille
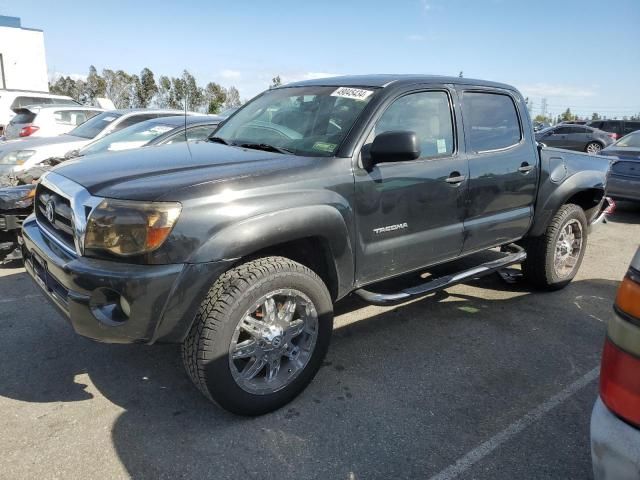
(54, 213)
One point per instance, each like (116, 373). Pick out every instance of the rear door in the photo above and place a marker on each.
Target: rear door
(503, 167)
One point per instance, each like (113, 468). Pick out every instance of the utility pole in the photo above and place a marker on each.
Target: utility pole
(543, 107)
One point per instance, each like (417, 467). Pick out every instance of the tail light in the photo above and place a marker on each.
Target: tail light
(28, 130)
(620, 371)
(612, 135)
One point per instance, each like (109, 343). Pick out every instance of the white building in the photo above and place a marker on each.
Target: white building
(23, 65)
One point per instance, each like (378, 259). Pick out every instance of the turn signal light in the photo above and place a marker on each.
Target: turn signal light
(628, 298)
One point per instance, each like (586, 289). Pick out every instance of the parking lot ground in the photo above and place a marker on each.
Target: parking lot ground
(485, 381)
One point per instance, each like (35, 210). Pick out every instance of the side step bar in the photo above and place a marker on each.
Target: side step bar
(517, 255)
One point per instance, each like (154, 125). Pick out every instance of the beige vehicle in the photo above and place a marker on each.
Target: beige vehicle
(615, 421)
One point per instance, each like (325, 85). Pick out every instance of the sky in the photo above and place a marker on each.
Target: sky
(581, 54)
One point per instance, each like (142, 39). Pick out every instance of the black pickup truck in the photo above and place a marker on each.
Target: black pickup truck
(239, 246)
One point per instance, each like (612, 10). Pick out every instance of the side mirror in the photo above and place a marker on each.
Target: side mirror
(395, 146)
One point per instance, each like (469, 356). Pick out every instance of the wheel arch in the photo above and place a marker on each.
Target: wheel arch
(585, 189)
(315, 236)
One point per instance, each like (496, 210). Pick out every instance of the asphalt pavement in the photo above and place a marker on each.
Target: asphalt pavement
(484, 381)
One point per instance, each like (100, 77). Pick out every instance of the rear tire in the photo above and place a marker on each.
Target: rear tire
(554, 258)
(260, 335)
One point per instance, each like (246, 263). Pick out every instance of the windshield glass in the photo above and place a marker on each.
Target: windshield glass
(631, 140)
(95, 125)
(131, 137)
(310, 121)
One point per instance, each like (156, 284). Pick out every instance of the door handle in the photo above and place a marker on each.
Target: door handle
(455, 178)
(525, 168)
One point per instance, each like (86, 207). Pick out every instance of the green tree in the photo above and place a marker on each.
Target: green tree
(233, 98)
(542, 119)
(595, 116)
(164, 91)
(214, 97)
(119, 88)
(275, 82)
(94, 86)
(145, 88)
(567, 116)
(194, 95)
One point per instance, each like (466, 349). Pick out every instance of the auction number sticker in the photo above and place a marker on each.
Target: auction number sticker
(352, 93)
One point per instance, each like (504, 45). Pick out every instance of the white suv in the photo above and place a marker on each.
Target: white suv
(11, 99)
(47, 121)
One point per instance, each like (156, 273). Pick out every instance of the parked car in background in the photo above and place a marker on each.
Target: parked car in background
(575, 137)
(619, 128)
(16, 202)
(615, 421)
(47, 120)
(12, 99)
(627, 147)
(537, 126)
(25, 153)
(624, 181)
(160, 131)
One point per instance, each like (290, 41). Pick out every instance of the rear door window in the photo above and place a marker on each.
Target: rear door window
(23, 117)
(491, 121)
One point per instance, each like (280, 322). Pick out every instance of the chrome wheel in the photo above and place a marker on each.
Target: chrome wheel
(594, 148)
(568, 248)
(273, 341)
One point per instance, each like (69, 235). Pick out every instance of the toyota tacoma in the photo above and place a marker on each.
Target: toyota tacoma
(238, 247)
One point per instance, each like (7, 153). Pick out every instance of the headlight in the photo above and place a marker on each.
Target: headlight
(18, 157)
(17, 197)
(129, 228)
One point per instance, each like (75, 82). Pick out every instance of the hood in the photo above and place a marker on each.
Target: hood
(156, 172)
(30, 143)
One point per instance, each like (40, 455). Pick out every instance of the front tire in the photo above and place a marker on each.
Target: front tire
(593, 148)
(260, 335)
(554, 258)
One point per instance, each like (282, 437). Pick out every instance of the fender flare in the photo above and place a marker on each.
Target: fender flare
(559, 195)
(253, 234)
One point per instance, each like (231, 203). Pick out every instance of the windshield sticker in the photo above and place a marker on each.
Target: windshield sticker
(441, 143)
(352, 93)
(324, 147)
(108, 119)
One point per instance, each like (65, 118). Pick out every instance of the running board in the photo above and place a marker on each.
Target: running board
(517, 255)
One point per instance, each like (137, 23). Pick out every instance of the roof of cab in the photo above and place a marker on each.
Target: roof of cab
(385, 80)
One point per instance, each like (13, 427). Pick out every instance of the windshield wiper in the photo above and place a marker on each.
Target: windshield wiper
(266, 147)
(218, 140)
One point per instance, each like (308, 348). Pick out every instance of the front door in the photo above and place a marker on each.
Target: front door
(410, 213)
(503, 169)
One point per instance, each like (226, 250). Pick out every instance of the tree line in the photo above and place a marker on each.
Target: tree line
(568, 116)
(142, 91)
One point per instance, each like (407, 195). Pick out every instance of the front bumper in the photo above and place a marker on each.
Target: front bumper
(162, 299)
(615, 446)
(624, 188)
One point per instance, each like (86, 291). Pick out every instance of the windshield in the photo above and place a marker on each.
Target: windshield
(131, 137)
(631, 140)
(310, 121)
(95, 125)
